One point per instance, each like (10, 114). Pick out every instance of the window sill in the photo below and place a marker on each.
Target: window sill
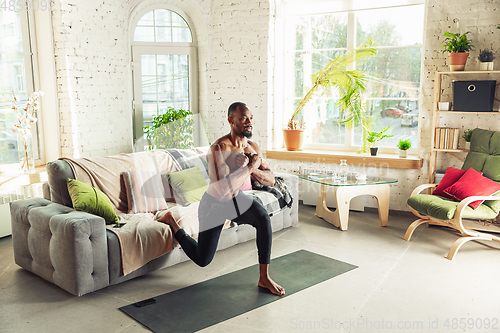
(11, 177)
(322, 156)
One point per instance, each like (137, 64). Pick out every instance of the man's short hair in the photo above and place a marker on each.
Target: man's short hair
(233, 108)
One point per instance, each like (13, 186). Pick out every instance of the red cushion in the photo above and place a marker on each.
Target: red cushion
(450, 177)
(470, 184)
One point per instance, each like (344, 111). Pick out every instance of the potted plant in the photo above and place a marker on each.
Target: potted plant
(486, 60)
(403, 146)
(374, 137)
(467, 136)
(335, 75)
(172, 129)
(458, 46)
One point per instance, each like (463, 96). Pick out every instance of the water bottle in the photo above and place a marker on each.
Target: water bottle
(343, 170)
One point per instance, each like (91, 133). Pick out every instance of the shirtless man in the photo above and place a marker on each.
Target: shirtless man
(231, 161)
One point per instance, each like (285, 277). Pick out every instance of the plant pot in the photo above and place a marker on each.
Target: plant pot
(293, 139)
(486, 66)
(467, 145)
(403, 153)
(457, 60)
(373, 151)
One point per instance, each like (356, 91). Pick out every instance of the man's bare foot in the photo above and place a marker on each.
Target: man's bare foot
(168, 219)
(268, 283)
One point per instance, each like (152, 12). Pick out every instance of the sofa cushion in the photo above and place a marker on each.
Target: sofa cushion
(484, 153)
(58, 172)
(470, 184)
(450, 177)
(189, 185)
(91, 200)
(444, 209)
(145, 193)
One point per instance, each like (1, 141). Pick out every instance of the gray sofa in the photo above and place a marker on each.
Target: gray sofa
(75, 250)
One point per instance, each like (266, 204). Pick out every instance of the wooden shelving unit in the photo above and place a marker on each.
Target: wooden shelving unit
(436, 116)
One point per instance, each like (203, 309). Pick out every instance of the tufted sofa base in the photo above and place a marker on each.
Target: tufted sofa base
(75, 251)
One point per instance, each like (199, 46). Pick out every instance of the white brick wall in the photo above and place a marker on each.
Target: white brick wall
(92, 56)
(480, 18)
(94, 77)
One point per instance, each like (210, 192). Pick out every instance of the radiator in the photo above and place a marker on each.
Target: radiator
(7, 196)
(309, 194)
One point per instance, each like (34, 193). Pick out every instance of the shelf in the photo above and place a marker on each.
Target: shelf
(452, 150)
(470, 72)
(322, 156)
(471, 112)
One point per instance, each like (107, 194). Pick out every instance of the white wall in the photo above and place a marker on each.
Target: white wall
(92, 69)
(94, 77)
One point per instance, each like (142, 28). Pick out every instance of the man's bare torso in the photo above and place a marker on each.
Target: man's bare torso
(228, 155)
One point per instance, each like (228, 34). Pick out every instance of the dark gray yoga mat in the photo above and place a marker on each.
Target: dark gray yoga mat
(210, 302)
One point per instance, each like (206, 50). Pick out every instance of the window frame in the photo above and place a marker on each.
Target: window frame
(284, 89)
(28, 25)
(180, 48)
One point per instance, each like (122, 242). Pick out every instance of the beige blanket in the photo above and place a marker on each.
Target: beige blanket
(105, 172)
(141, 238)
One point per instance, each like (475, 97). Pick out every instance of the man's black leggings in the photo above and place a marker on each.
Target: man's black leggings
(212, 213)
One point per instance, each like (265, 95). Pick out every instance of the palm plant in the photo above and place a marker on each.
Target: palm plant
(349, 84)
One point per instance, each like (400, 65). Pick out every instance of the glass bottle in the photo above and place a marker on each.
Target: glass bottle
(343, 170)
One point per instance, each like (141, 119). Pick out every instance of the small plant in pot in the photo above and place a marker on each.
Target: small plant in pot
(467, 137)
(486, 58)
(374, 137)
(403, 146)
(458, 46)
(350, 85)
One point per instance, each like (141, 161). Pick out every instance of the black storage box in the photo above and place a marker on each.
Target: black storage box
(473, 95)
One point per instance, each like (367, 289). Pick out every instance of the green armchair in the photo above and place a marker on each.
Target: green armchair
(473, 224)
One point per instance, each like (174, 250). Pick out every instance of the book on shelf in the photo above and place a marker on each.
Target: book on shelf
(446, 138)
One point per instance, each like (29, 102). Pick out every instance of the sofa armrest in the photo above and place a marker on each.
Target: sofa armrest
(61, 245)
(292, 181)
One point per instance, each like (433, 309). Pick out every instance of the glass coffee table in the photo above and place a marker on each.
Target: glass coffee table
(345, 191)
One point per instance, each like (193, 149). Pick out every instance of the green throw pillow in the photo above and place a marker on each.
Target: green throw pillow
(188, 184)
(91, 200)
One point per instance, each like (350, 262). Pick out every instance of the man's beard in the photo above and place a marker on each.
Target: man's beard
(247, 134)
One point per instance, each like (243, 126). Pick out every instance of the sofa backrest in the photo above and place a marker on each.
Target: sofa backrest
(484, 155)
(58, 172)
(105, 172)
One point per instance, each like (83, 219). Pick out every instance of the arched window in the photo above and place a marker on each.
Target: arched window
(162, 25)
(164, 67)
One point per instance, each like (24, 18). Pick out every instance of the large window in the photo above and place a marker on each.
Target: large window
(16, 76)
(317, 32)
(164, 70)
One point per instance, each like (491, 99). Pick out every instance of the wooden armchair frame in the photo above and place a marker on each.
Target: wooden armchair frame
(456, 223)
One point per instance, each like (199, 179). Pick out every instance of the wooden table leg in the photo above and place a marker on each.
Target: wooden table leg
(322, 209)
(343, 196)
(382, 192)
